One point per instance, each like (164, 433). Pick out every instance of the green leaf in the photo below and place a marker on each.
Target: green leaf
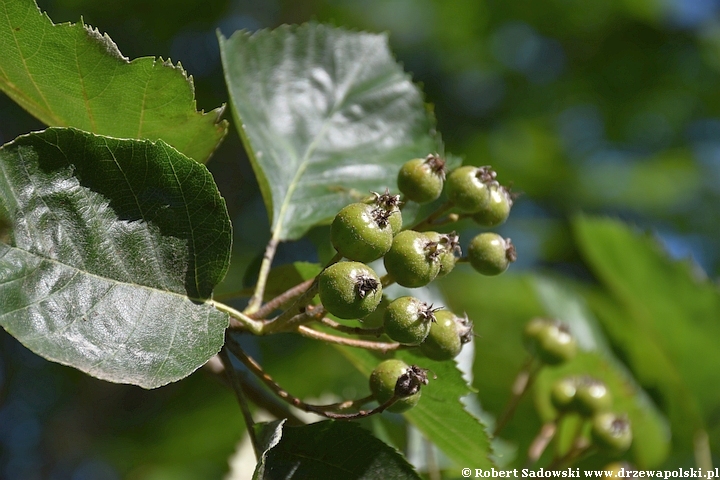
(439, 415)
(327, 449)
(662, 317)
(69, 75)
(114, 246)
(323, 113)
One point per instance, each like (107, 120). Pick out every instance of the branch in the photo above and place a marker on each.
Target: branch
(283, 298)
(352, 330)
(240, 394)
(256, 299)
(382, 347)
(255, 368)
(241, 321)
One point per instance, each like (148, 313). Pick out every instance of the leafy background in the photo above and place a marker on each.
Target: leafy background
(605, 108)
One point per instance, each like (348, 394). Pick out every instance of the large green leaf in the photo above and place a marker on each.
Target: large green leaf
(662, 317)
(327, 450)
(69, 75)
(114, 246)
(324, 113)
(440, 415)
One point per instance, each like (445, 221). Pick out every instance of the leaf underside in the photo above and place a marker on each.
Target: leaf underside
(325, 115)
(70, 75)
(114, 246)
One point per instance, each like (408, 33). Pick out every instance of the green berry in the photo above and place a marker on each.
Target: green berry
(497, 208)
(592, 397)
(562, 394)
(467, 187)
(611, 432)
(550, 341)
(448, 246)
(349, 289)
(390, 209)
(447, 336)
(361, 232)
(421, 179)
(383, 383)
(491, 254)
(407, 320)
(413, 259)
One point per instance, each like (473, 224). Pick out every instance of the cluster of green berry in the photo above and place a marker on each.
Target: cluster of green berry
(552, 343)
(367, 231)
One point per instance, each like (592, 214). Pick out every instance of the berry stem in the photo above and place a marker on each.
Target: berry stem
(430, 220)
(540, 443)
(352, 330)
(240, 321)
(382, 347)
(321, 410)
(240, 394)
(523, 381)
(257, 298)
(289, 294)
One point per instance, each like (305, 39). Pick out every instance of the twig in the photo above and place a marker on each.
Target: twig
(382, 347)
(283, 298)
(255, 368)
(237, 388)
(352, 330)
(430, 220)
(540, 443)
(257, 298)
(241, 321)
(521, 385)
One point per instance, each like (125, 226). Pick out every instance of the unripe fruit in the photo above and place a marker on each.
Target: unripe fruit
(361, 232)
(447, 336)
(390, 210)
(448, 246)
(349, 289)
(497, 208)
(467, 187)
(611, 432)
(562, 394)
(491, 254)
(413, 259)
(407, 320)
(592, 397)
(550, 341)
(384, 380)
(421, 179)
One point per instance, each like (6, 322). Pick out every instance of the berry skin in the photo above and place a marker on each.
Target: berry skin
(421, 179)
(384, 380)
(562, 394)
(497, 209)
(413, 259)
(550, 341)
(361, 232)
(611, 432)
(592, 397)
(448, 246)
(447, 336)
(490, 254)
(349, 289)
(467, 187)
(407, 320)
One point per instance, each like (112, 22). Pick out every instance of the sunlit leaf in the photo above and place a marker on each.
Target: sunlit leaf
(115, 245)
(324, 113)
(70, 75)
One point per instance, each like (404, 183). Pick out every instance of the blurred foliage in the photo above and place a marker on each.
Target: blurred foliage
(601, 107)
